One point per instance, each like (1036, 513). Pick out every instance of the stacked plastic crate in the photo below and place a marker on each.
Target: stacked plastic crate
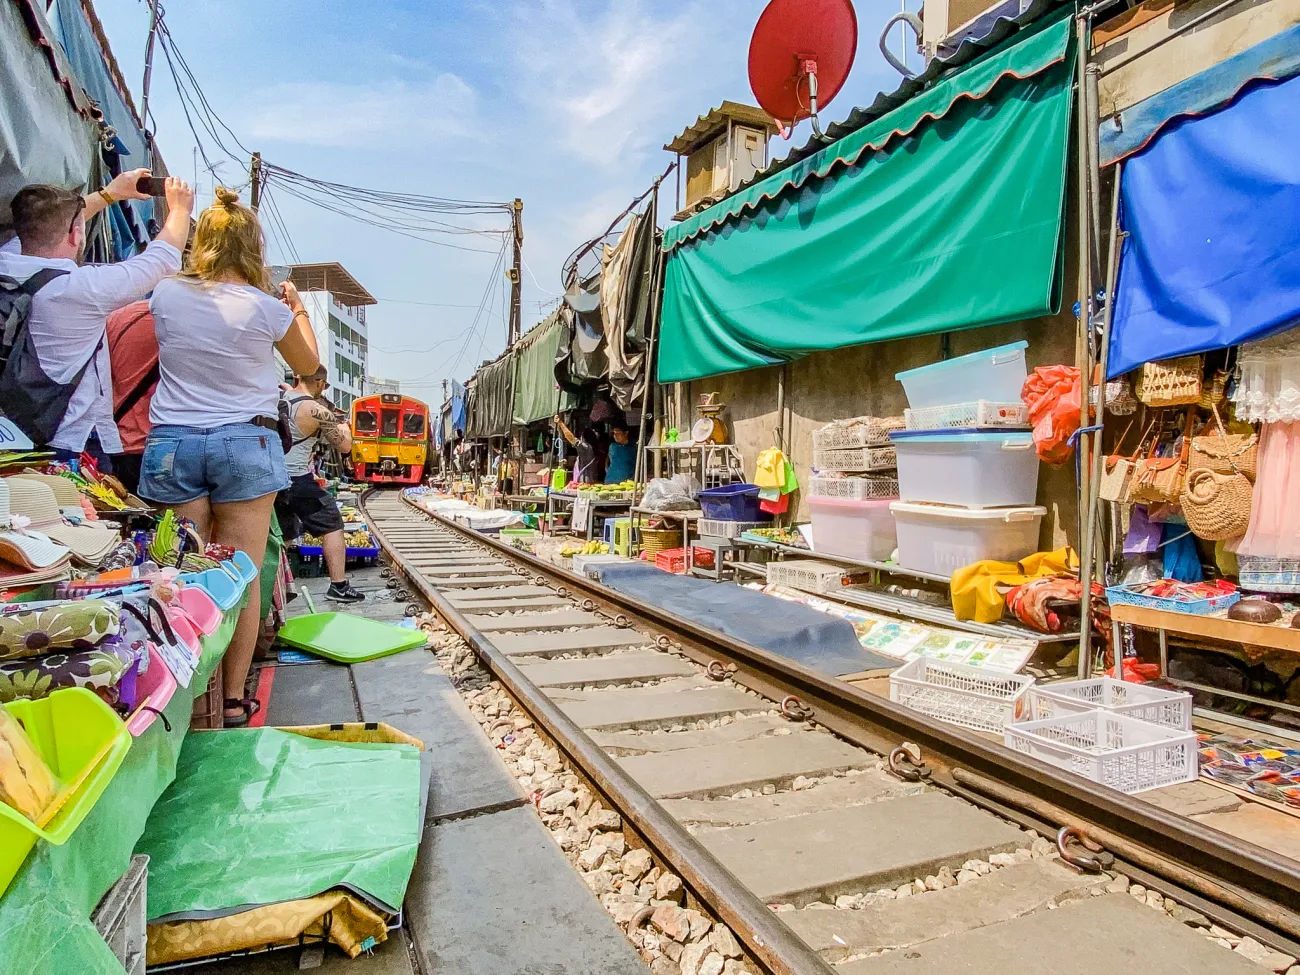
(854, 479)
(967, 470)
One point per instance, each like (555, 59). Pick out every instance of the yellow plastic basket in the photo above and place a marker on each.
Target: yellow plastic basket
(70, 728)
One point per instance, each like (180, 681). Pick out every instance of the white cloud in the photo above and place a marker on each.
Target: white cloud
(384, 115)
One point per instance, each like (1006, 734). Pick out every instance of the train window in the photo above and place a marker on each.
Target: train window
(413, 425)
(389, 428)
(366, 422)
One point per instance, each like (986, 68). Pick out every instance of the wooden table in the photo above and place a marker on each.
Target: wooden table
(565, 497)
(1164, 622)
(685, 517)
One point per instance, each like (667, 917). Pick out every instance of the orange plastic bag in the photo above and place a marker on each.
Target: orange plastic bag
(1052, 394)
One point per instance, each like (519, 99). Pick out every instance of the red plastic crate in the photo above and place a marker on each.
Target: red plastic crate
(703, 557)
(671, 560)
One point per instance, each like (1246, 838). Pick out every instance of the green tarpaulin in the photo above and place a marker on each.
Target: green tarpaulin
(946, 213)
(491, 404)
(537, 397)
(261, 816)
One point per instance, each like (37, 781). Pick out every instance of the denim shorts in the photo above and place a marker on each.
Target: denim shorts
(235, 462)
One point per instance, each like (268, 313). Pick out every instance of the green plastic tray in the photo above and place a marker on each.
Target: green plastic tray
(346, 638)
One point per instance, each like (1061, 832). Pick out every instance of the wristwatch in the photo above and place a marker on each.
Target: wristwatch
(108, 197)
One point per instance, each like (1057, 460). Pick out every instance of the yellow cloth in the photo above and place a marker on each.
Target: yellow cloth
(770, 472)
(979, 589)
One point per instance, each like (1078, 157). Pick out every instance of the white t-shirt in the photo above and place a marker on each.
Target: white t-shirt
(215, 352)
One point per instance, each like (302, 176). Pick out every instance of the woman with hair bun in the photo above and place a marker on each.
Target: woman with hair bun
(213, 453)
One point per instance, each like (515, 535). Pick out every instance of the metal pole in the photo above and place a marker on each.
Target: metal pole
(255, 181)
(652, 337)
(1091, 104)
(780, 408)
(1082, 358)
(1103, 355)
(148, 63)
(516, 281)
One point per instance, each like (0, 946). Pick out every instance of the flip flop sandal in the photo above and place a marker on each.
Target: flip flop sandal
(249, 705)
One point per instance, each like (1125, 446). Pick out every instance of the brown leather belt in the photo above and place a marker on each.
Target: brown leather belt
(266, 423)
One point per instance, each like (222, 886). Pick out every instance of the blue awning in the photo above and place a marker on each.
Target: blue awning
(1212, 211)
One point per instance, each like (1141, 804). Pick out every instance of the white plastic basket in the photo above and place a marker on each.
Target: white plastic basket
(1111, 749)
(728, 529)
(860, 431)
(968, 696)
(1173, 709)
(809, 574)
(853, 488)
(855, 459)
(980, 413)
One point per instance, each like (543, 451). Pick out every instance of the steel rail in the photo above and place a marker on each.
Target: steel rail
(767, 939)
(1184, 846)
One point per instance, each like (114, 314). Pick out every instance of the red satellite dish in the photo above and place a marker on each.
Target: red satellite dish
(800, 56)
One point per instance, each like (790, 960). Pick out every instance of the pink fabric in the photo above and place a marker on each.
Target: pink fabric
(1274, 531)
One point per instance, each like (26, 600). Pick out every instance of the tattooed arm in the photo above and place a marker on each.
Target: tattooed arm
(329, 428)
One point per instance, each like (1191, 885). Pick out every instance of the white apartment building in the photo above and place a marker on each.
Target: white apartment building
(337, 302)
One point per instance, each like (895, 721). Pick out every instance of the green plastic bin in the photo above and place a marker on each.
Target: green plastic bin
(69, 728)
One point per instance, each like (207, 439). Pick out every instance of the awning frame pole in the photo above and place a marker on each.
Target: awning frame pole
(1083, 358)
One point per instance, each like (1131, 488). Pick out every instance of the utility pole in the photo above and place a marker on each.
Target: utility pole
(516, 281)
(255, 181)
(148, 63)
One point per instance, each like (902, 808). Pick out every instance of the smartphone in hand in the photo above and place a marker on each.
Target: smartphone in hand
(153, 185)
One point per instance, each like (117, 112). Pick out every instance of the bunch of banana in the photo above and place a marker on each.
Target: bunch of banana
(26, 782)
(595, 547)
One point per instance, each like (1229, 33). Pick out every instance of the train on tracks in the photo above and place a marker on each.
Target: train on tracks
(390, 439)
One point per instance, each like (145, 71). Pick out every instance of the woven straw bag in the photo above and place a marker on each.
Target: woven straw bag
(1212, 392)
(1174, 382)
(1159, 480)
(1216, 506)
(1225, 453)
(1117, 471)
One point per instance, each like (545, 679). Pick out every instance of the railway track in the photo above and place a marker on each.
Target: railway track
(826, 828)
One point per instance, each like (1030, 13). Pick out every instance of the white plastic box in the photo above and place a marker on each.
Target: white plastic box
(1173, 709)
(968, 468)
(1111, 749)
(853, 529)
(962, 695)
(940, 540)
(996, 375)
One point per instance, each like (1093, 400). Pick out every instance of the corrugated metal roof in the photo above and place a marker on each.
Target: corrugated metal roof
(334, 278)
(886, 102)
(704, 128)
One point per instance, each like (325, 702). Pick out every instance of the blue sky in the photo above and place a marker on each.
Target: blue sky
(563, 103)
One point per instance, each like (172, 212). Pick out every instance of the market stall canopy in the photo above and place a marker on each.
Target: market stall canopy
(492, 402)
(536, 395)
(945, 213)
(1220, 267)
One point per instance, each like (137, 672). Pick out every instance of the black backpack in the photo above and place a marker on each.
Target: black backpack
(32, 400)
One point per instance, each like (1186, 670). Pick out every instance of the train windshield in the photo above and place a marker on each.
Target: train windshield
(413, 425)
(389, 428)
(366, 422)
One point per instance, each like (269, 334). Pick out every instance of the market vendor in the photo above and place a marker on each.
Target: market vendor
(305, 506)
(622, 454)
(587, 469)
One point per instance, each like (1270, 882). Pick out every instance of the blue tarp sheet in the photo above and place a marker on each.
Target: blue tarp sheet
(458, 411)
(1212, 209)
(823, 643)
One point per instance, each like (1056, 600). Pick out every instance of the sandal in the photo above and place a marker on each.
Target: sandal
(249, 705)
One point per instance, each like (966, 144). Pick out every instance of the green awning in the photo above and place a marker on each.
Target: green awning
(537, 396)
(944, 214)
(492, 403)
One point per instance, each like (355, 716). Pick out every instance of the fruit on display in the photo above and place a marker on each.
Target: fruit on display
(26, 782)
(620, 490)
(594, 547)
(360, 538)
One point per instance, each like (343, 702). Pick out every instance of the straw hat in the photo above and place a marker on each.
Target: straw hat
(65, 492)
(37, 501)
(26, 549)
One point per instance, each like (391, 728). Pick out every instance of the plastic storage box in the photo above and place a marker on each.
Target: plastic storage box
(1173, 709)
(996, 375)
(853, 529)
(940, 540)
(861, 431)
(854, 460)
(975, 469)
(732, 502)
(855, 488)
(959, 694)
(980, 413)
(1112, 749)
(809, 574)
(727, 529)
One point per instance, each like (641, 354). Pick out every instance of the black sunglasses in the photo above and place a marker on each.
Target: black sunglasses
(81, 205)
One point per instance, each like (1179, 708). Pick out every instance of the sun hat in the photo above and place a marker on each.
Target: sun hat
(38, 503)
(65, 492)
(26, 549)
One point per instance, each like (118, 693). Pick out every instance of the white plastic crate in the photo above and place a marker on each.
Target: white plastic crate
(980, 413)
(809, 574)
(728, 529)
(855, 459)
(860, 431)
(1111, 749)
(120, 918)
(853, 488)
(1173, 709)
(967, 696)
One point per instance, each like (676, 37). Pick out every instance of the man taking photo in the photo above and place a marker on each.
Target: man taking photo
(305, 506)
